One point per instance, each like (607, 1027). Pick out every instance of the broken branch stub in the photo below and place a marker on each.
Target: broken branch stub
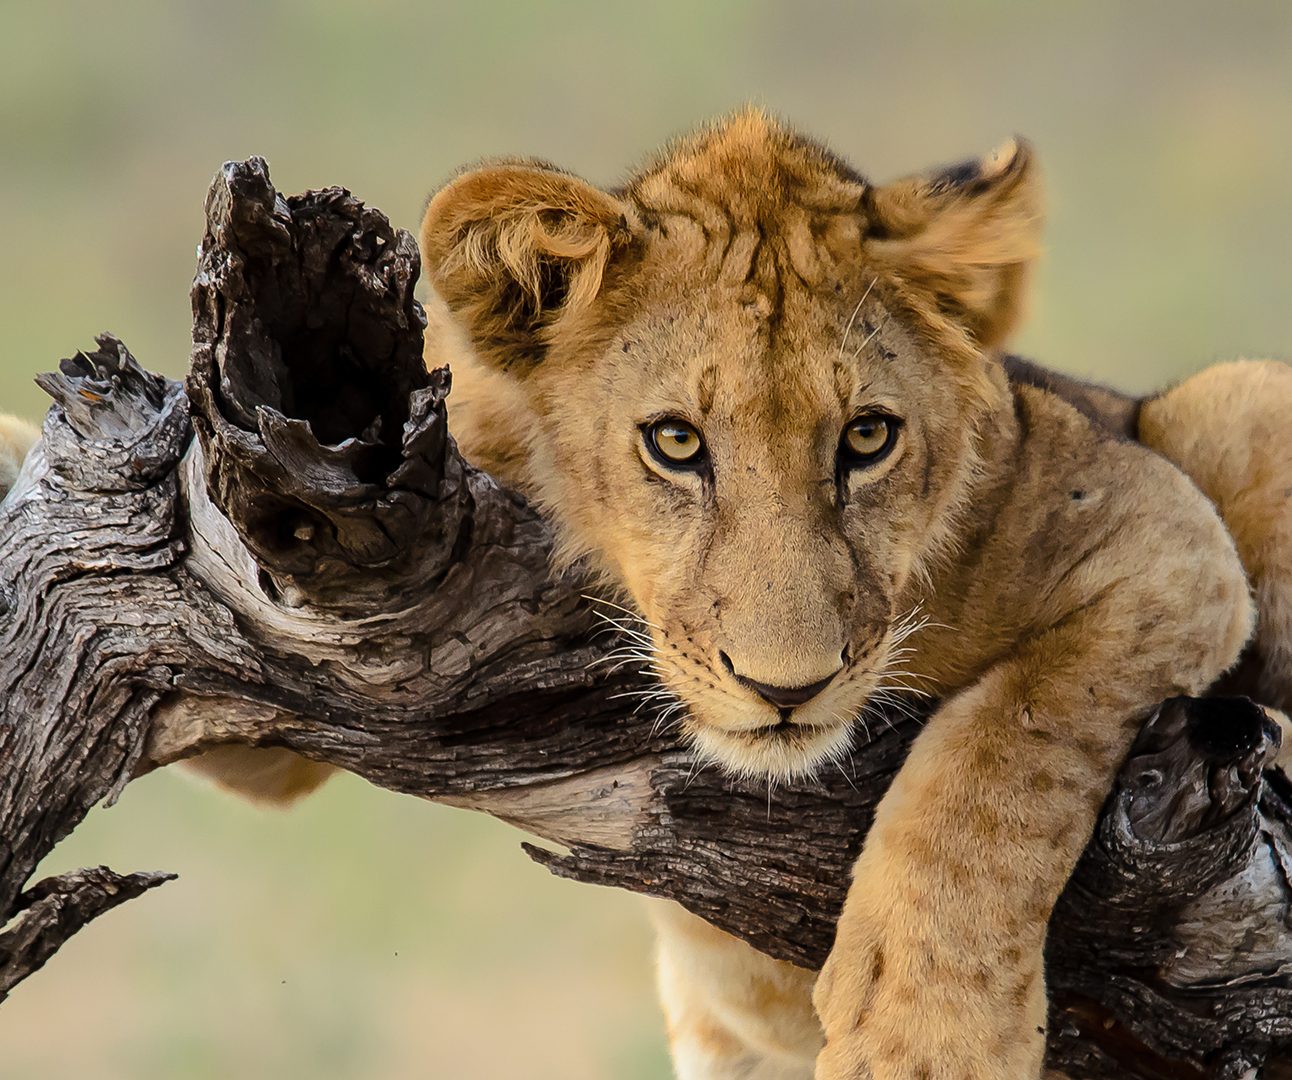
(323, 434)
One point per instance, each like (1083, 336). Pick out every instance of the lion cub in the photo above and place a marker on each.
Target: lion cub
(766, 398)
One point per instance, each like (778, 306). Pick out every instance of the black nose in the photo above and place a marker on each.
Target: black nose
(780, 697)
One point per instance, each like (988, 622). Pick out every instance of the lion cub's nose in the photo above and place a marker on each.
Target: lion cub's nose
(783, 698)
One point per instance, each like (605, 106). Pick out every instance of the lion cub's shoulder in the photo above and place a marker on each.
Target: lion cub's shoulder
(1069, 457)
(1088, 510)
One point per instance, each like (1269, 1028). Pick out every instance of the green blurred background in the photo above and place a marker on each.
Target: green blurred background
(368, 936)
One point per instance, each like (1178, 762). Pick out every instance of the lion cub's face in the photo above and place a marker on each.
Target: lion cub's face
(726, 391)
(762, 482)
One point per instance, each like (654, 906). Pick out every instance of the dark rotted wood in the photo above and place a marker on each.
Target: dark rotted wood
(318, 569)
(1179, 910)
(306, 335)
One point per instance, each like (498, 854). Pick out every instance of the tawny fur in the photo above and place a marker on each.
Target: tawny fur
(1059, 580)
(271, 775)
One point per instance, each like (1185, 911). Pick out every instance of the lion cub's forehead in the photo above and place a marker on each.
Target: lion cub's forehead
(751, 386)
(752, 282)
(752, 203)
(750, 170)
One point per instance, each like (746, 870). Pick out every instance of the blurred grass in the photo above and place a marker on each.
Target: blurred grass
(360, 935)
(363, 935)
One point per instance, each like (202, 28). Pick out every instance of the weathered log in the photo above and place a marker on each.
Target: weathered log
(290, 552)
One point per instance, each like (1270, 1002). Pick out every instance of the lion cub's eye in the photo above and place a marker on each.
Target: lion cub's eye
(867, 439)
(675, 443)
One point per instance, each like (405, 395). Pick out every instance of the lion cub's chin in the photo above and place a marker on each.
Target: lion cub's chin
(785, 751)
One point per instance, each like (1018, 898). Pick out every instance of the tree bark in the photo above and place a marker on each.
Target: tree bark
(289, 551)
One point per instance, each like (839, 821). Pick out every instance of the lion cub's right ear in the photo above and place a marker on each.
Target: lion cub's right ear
(966, 236)
(515, 249)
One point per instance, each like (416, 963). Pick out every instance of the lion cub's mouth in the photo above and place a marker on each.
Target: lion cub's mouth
(784, 729)
(783, 749)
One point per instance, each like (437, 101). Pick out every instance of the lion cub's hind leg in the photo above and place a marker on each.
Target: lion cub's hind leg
(1230, 429)
(732, 1013)
(269, 775)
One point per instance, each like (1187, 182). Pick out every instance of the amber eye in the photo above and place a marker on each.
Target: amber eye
(675, 443)
(867, 439)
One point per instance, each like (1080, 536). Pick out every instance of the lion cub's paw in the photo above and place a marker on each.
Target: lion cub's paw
(844, 997)
(900, 999)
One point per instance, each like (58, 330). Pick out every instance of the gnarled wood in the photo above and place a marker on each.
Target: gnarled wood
(52, 911)
(308, 563)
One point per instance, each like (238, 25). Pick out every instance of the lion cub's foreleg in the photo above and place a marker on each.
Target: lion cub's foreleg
(936, 970)
(732, 1012)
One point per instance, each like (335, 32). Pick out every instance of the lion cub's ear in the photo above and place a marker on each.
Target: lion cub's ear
(966, 235)
(514, 249)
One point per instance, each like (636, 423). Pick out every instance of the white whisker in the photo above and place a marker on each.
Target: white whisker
(869, 338)
(633, 615)
(853, 317)
(697, 766)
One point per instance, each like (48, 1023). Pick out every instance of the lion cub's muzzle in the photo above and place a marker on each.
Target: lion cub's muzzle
(776, 730)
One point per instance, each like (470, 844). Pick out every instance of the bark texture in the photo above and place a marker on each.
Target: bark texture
(289, 551)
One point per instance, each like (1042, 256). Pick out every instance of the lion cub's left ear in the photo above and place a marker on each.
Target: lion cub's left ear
(514, 249)
(966, 235)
